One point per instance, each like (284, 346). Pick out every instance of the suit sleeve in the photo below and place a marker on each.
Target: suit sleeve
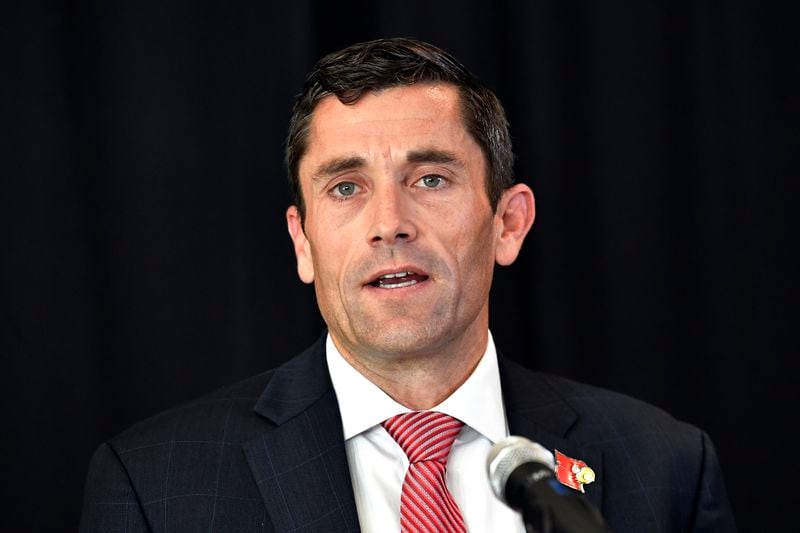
(110, 503)
(712, 511)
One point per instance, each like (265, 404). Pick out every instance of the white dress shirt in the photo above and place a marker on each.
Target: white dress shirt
(378, 465)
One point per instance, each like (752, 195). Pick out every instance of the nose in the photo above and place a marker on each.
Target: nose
(392, 217)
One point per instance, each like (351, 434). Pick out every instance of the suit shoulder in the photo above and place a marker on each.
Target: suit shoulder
(606, 412)
(668, 466)
(225, 415)
(191, 455)
(579, 392)
(625, 410)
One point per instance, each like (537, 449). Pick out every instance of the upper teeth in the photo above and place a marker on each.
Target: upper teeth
(396, 275)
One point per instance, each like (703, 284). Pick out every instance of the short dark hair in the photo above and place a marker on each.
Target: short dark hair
(385, 63)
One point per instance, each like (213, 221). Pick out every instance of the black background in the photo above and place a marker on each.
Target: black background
(145, 259)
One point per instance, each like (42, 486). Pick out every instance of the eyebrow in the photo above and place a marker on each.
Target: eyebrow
(343, 164)
(433, 155)
(338, 164)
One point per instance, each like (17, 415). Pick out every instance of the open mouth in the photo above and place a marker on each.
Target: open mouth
(397, 280)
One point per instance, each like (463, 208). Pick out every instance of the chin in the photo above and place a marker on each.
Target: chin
(400, 339)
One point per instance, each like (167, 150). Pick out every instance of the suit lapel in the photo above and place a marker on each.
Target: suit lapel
(536, 411)
(301, 465)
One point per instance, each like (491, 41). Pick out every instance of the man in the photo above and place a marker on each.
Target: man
(400, 164)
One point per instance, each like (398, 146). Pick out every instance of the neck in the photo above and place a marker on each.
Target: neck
(426, 379)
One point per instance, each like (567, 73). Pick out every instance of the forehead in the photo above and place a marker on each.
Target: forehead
(421, 97)
(388, 123)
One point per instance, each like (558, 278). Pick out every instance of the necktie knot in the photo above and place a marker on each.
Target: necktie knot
(424, 435)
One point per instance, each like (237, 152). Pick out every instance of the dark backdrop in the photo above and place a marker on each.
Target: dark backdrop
(145, 259)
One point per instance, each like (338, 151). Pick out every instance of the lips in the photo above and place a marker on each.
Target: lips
(397, 280)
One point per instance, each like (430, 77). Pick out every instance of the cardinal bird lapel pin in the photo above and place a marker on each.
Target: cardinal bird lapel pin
(573, 473)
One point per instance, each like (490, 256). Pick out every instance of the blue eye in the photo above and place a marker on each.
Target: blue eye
(431, 181)
(345, 188)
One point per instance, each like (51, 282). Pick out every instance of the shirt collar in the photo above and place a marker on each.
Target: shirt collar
(478, 402)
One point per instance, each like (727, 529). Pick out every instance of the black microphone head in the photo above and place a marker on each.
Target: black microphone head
(508, 454)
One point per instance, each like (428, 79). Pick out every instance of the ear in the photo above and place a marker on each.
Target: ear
(514, 218)
(302, 248)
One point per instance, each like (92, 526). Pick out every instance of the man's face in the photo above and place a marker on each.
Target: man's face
(399, 238)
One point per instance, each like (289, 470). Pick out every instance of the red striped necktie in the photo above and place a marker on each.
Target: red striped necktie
(426, 506)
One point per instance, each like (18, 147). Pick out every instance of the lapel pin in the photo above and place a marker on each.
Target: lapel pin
(573, 473)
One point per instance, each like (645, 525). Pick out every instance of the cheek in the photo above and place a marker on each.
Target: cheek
(325, 257)
(331, 259)
(473, 247)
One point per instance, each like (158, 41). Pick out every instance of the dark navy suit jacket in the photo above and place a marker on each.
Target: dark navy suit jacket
(267, 454)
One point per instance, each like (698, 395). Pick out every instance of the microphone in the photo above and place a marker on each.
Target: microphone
(522, 476)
